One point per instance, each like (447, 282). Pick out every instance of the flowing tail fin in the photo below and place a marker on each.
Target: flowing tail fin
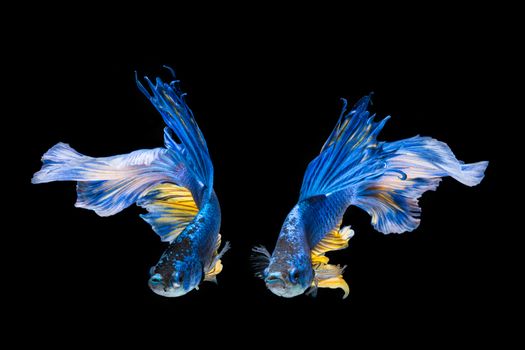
(110, 184)
(413, 166)
(384, 178)
(55, 164)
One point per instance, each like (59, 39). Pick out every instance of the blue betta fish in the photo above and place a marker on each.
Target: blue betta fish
(174, 183)
(383, 178)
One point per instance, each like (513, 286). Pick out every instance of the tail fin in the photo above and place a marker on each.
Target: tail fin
(110, 184)
(55, 162)
(413, 166)
(472, 174)
(384, 178)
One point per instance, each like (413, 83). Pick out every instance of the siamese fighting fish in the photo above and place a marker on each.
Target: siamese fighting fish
(173, 183)
(383, 178)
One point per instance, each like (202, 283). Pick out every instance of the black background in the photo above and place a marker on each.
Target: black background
(265, 101)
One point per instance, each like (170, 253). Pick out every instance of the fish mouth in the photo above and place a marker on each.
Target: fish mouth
(276, 283)
(275, 280)
(279, 286)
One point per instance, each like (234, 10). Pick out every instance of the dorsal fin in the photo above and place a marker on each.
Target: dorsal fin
(169, 100)
(327, 275)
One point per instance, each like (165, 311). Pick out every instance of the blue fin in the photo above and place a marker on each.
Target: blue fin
(110, 184)
(170, 182)
(169, 101)
(58, 164)
(384, 178)
(352, 141)
(412, 167)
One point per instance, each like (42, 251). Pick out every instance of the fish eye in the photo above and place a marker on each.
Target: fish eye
(294, 275)
(156, 279)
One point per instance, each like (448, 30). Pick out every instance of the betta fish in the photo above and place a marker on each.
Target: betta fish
(173, 183)
(383, 178)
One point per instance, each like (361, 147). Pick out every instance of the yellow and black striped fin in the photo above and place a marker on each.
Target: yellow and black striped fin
(327, 275)
(215, 267)
(171, 208)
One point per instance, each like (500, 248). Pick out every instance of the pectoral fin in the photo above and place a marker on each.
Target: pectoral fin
(215, 267)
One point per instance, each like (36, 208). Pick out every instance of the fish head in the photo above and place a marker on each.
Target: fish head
(176, 280)
(287, 272)
(290, 279)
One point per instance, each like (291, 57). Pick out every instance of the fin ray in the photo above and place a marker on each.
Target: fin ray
(327, 275)
(107, 185)
(169, 102)
(170, 209)
(215, 267)
(385, 179)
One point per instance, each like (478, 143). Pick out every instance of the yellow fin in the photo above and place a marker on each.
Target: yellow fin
(336, 239)
(334, 283)
(211, 274)
(171, 208)
(330, 276)
(326, 275)
(319, 259)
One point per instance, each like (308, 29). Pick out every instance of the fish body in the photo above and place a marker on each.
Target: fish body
(173, 183)
(383, 178)
(290, 269)
(189, 258)
(291, 259)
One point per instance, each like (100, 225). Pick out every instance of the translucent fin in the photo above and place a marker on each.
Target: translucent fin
(260, 259)
(59, 164)
(171, 208)
(215, 267)
(330, 276)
